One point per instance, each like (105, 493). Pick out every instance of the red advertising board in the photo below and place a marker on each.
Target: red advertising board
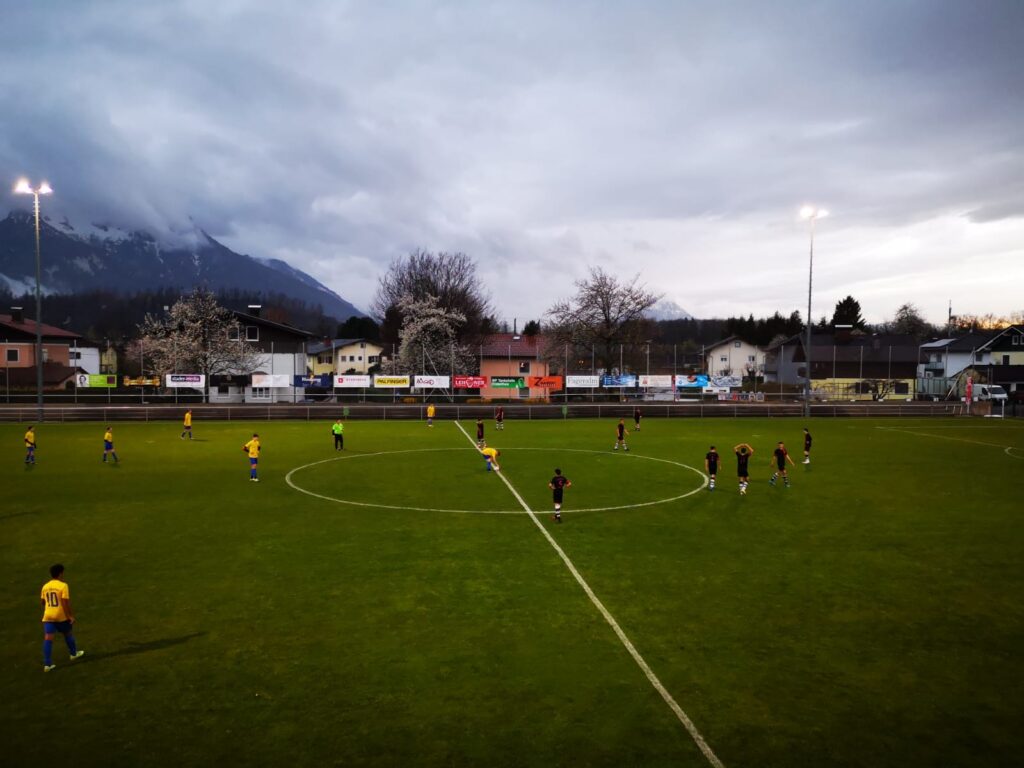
(545, 382)
(469, 382)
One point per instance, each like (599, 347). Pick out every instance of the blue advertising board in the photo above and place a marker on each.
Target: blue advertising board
(695, 381)
(624, 380)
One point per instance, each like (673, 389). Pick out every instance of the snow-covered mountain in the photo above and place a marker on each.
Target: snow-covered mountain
(77, 257)
(666, 309)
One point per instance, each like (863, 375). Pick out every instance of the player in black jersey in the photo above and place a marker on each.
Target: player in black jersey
(780, 456)
(558, 483)
(636, 418)
(743, 453)
(620, 436)
(711, 466)
(807, 446)
(479, 433)
(499, 417)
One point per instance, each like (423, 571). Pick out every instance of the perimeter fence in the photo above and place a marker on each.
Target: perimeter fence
(530, 412)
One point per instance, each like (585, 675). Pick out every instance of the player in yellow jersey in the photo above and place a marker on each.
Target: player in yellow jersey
(57, 616)
(430, 415)
(187, 425)
(30, 445)
(108, 445)
(491, 457)
(253, 449)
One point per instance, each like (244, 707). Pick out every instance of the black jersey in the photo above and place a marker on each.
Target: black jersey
(742, 459)
(620, 430)
(558, 483)
(807, 441)
(712, 459)
(499, 414)
(780, 457)
(479, 430)
(636, 414)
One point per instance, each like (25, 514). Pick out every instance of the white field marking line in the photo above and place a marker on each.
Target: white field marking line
(638, 505)
(947, 437)
(712, 758)
(1013, 455)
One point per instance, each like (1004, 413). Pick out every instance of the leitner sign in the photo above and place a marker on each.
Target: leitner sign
(470, 382)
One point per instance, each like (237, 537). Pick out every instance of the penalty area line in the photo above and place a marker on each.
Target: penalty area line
(683, 718)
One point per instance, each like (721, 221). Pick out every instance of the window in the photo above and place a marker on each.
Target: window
(362, 345)
(360, 358)
(373, 358)
(723, 359)
(524, 393)
(261, 393)
(252, 333)
(223, 389)
(1016, 340)
(737, 343)
(233, 333)
(524, 367)
(751, 359)
(351, 358)
(12, 355)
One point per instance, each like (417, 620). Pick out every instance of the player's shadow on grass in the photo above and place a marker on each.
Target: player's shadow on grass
(16, 514)
(134, 648)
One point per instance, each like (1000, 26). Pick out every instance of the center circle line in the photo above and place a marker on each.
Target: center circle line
(288, 479)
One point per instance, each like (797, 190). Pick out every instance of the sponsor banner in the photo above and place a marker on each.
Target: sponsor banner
(970, 388)
(271, 380)
(470, 382)
(83, 380)
(545, 382)
(625, 380)
(582, 382)
(391, 382)
(431, 382)
(186, 380)
(726, 381)
(352, 382)
(716, 390)
(323, 380)
(656, 381)
(692, 381)
(508, 382)
(142, 381)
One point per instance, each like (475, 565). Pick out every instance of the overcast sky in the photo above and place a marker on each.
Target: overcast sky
(674, 139)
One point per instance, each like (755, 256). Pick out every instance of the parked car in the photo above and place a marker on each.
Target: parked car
(989, 392)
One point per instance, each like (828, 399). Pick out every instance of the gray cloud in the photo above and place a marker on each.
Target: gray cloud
(671, 139)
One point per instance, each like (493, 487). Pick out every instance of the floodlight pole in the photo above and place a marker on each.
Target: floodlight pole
(24, 188)
(807, 351)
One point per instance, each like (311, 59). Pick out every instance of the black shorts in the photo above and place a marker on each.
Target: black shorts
(557, 496)
(712, 469)
(742, 472)
(782, 466)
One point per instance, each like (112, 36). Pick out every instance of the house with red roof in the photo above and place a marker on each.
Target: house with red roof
(18, 352)
(511, 362)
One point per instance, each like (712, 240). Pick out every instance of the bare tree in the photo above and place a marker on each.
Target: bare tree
(604, 314)
(451, 278)
(908, 320)
(197, 336)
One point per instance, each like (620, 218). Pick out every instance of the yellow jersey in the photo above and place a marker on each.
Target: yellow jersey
(430, 411)
(253, 447)
(491, 453)
(54, 593)
(30, 439)
(188, 419)
(108, 436)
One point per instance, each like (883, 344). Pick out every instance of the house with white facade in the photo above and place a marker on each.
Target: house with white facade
(734, 357)
(282, 364)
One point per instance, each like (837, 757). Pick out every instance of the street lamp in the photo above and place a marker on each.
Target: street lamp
(811, 213)
(24, 188)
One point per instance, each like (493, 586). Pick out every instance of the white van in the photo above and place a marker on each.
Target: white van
(989, 392)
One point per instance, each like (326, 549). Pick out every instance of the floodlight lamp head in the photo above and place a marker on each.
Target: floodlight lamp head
(22, 187)
(45, 188)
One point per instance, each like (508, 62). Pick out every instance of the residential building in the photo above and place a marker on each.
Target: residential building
(18, 352)
(512, 355)
(946, 358)
(1006, 346)
(283, 358)
(733, 356)
(337, 356)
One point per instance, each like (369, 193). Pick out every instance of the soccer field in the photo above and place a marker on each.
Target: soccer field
(394, 604)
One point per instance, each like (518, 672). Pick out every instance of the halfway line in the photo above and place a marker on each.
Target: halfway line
(679, 713)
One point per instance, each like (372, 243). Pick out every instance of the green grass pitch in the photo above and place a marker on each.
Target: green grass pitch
(871, 615)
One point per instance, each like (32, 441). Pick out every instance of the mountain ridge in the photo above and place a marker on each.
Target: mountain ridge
(80, 257)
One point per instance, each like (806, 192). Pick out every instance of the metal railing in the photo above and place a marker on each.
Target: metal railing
(402, 412)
